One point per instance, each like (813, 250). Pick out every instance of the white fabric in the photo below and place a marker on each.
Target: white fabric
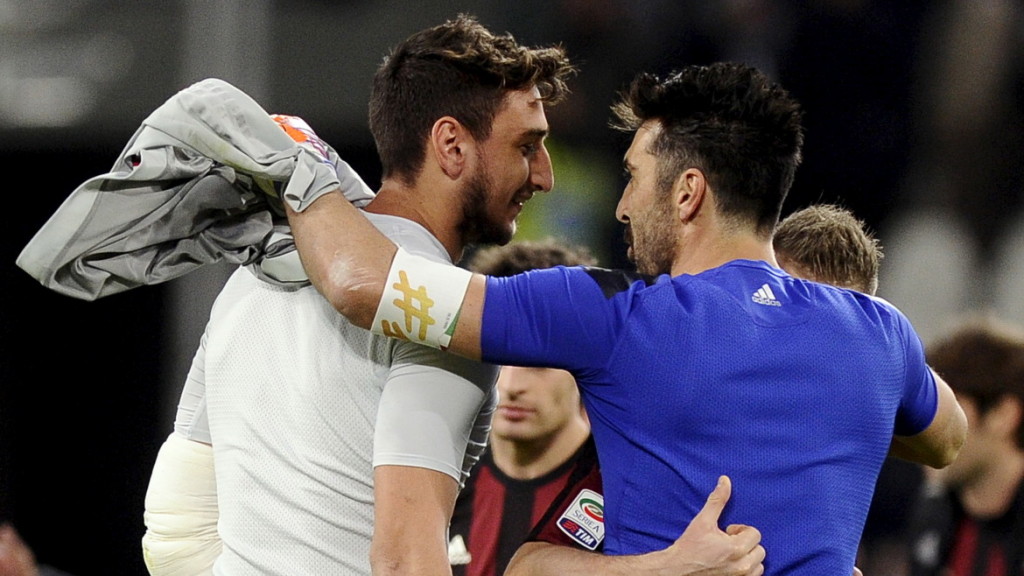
(301, 405)
(181, 511)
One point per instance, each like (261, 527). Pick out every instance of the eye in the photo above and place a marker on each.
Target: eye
(530, 149)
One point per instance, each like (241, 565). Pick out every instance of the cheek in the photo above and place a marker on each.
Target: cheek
(565, 391)
(502, 185)
(517, 170)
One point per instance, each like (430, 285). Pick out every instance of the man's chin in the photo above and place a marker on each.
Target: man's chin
(498, 235)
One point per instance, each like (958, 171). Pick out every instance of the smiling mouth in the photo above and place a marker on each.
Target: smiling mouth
(525, 195)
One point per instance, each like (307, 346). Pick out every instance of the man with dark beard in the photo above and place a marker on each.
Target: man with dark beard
(823, 243)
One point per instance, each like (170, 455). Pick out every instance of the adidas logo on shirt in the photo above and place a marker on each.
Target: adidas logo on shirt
(765, 296)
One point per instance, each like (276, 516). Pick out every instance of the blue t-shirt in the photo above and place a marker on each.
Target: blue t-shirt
(791, 388)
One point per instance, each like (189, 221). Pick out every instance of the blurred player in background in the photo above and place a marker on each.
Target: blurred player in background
(536, 435)
(969, 517)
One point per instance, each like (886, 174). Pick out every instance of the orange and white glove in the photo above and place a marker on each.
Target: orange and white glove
(318, 170)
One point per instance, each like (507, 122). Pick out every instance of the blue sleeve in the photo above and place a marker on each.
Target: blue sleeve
(920, 396)
(556, 317)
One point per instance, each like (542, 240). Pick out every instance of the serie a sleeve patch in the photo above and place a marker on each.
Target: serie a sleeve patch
(583, 520)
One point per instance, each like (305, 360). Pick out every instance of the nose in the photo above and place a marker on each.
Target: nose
(542, 176)
(622, 207)
(509, 381)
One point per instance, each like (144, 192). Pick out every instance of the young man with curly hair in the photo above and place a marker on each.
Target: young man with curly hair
(336, 451)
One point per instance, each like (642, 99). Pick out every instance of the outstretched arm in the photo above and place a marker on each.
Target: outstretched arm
(349, 262)
(702, 550)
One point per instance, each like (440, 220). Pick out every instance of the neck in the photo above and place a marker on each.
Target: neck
(416, 203)
(526, 460)
(993, 492)
(698, 253)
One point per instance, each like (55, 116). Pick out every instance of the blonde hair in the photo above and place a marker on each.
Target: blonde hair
(827, 243)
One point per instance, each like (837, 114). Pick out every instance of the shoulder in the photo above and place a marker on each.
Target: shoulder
(607, 281)
(411, 236)
(430, 364)
(612, 282)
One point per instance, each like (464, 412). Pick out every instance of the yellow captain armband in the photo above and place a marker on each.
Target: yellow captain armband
(421, 300)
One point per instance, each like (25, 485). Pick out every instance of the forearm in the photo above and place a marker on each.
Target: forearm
(544, 559)
(412, 509)
(345, 256)
(422, 559)
(349, 261)
(702, 550)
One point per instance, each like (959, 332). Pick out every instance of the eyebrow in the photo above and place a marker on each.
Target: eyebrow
(536, 133)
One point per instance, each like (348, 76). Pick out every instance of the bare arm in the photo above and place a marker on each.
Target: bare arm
(348, 261)
(346, 257)
(938, 444)
(16, 558)
(702, 550)
(412, 509)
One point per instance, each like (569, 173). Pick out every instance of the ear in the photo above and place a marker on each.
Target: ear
(689, 191)
(449, 143)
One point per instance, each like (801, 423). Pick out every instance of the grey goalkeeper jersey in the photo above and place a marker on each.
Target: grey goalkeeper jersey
(301, 405)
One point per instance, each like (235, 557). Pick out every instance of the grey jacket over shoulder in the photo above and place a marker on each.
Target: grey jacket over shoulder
(202, 180)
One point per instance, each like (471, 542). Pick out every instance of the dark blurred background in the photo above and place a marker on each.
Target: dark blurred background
(913, 115)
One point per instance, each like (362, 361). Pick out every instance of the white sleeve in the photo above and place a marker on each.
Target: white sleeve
(190, 421)
(435, 411)
(181, 512)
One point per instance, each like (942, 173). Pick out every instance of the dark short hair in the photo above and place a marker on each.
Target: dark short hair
(983, 358)
(829, 244)
(527, 255)
(728, 120)
(457, 69)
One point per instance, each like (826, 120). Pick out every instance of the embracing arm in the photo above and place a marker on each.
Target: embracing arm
(938, 444)
(348, 260)
(702, 550)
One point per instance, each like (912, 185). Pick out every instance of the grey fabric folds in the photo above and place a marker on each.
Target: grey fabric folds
(197, 183)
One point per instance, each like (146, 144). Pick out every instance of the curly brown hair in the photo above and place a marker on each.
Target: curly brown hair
(527, 255)
(458, 69)
(827, 243)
